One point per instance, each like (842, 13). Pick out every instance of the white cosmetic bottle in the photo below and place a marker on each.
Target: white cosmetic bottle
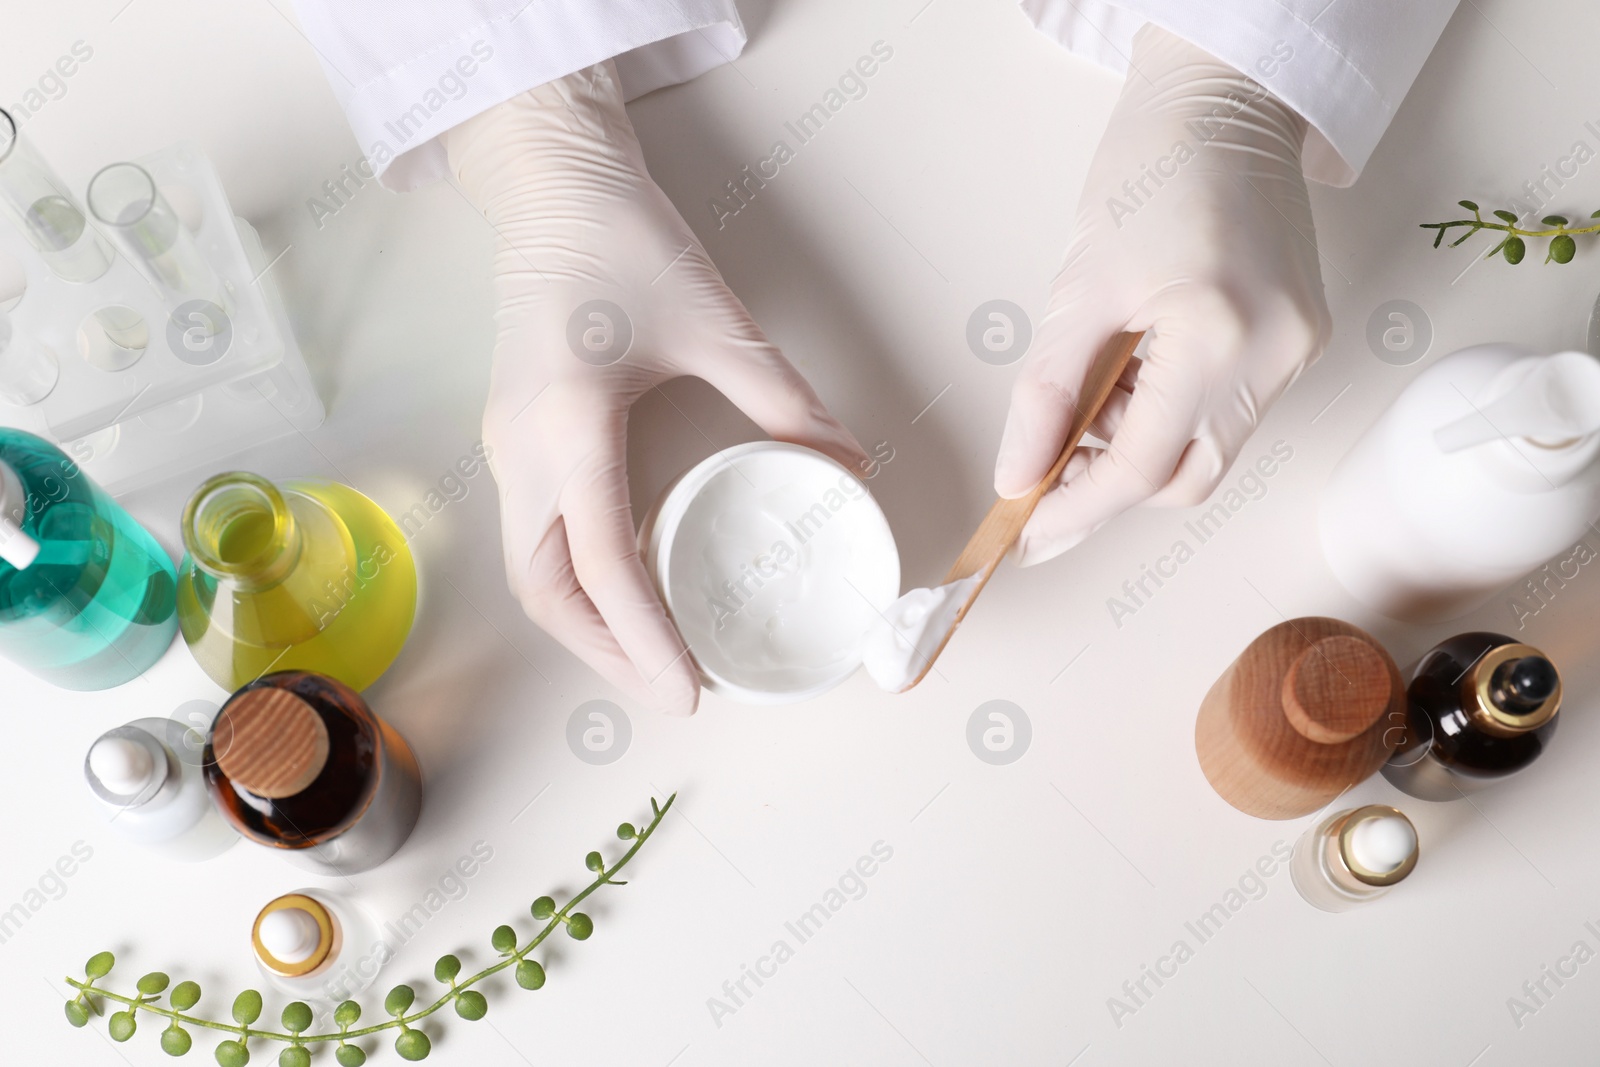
(1486, 466)
(147, 780)
(318, 946)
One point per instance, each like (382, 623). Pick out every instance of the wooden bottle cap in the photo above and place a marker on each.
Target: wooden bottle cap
(1307, 710)
(1335, 689)
(270, 742)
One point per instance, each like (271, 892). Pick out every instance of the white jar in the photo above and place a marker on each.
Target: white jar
(773, 561)
(148, 784)
(317, 946)
(1486, 466)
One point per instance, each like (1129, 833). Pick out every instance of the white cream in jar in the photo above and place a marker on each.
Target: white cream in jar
(774, 562)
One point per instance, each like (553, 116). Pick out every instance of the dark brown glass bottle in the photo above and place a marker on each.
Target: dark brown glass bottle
(297, 761)
(1480, 707)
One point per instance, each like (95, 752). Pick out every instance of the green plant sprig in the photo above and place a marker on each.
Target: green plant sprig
(297, 1017)
(1514, 247)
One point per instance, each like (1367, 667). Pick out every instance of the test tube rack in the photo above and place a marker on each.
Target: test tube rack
(132, 414)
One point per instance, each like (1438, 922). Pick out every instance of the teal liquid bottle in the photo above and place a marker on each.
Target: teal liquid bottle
(88, 599)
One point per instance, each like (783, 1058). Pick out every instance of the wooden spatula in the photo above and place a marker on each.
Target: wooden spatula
(1003, 525)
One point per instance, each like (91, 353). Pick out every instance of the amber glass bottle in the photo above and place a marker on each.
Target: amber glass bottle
(298, 762)
(1480, 707)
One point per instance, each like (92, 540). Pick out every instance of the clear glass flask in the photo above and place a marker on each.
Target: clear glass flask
(86, 595)
(306, 575)
(39, 205)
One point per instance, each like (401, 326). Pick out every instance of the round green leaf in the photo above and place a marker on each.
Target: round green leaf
(594, 862)
(185, 995)
(1505, 216)
(77, 1014)
(1563, 248)
(232, 1054)
(1555, 220)
(297, 1017)
(626, 832)
(350, 1056)
(175, 1041)
(413, 1045)
(446, 969)
(399, 999)
(579, 926)
(504, 940)
(122, 1026)
(1596, 215)
(348, 1013)
(294, 1056)
(543, 908)
(471, 1006)
(530, 975)
(247, 1007)
(1469, 205)
(1515, 250)
(99, 965)
(152, 983)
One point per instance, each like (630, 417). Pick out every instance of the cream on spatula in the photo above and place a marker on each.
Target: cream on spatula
(912, 632)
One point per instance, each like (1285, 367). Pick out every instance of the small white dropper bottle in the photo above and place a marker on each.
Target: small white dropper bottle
(318, 946)
(147, 779)
(1486, 466)
(1353, 857)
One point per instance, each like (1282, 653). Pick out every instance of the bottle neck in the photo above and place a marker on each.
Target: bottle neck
(17, 548)
(1489, 691)
(238, 528)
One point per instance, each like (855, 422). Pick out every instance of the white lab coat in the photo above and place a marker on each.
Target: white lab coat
(408, 70)
(1344, 65)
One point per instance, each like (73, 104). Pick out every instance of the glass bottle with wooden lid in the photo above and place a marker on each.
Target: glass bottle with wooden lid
(298, 762)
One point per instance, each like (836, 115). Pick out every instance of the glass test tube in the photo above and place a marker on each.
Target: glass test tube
(124, 198)
(38, 204)
(28, 370)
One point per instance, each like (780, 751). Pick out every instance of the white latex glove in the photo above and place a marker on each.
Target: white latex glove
(559, 174)
(1219, 261)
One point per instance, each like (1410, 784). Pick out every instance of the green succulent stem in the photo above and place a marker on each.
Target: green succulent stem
(1513, 230)
(1514, 245)
(87, 989)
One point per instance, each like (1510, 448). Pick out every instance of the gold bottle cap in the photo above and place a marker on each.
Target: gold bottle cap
(270, 742)
(310, 952)
(1352, 853)
(1480, 682)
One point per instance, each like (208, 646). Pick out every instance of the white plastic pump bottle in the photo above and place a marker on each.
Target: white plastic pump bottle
(1486, 466)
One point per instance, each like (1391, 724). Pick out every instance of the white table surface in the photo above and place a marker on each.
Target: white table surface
(1019, 898)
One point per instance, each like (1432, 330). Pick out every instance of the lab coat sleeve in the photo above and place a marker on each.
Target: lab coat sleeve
(1344, 65)
(406, 71)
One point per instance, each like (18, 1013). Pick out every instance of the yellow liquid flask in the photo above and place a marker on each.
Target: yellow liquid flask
(304, 575)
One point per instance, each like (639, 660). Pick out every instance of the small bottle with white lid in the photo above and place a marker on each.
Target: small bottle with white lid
(1353, 857)
(318, 946)
(152, 794)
